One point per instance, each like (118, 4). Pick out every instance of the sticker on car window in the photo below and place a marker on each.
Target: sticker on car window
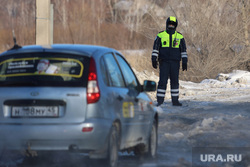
(44, 67)
(65, 67)
(128, 110)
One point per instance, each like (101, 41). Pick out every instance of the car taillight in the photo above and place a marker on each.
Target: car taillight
(87, 129)
(93, 92)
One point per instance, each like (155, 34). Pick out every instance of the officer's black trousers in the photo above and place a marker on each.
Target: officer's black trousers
(168, 69)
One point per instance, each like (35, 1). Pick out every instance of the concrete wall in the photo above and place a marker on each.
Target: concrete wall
(43, 27)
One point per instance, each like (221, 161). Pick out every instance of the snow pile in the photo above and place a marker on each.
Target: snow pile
(174, 137)
(207, 89)
(207, 122)
(237, 78)
(212, 123)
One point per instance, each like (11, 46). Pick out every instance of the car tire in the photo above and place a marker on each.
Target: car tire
(153, 141)
(150, 149)
(112, 158)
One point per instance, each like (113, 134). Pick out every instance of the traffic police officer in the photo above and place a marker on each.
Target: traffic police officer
(169, 49)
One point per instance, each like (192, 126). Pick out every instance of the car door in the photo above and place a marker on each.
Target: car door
(141, 119)
(118, 97)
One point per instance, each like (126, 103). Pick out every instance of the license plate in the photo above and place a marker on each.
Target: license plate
(35, 111)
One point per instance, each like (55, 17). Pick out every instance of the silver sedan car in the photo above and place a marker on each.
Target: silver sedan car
(75, 97)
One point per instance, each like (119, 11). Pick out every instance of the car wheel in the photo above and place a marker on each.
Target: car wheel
(150, 149)
(112, 159)
(153, 141)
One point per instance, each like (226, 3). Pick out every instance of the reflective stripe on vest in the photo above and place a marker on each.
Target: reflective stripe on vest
(165, 37)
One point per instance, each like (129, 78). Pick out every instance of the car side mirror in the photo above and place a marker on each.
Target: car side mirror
(149, 86)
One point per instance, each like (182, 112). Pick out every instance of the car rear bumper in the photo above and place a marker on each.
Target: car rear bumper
(41, 137)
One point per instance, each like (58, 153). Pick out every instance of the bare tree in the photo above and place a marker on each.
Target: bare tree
(213, 37)
(216, 32)
(243, 8)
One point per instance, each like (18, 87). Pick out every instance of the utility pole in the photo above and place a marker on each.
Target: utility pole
(44, 22)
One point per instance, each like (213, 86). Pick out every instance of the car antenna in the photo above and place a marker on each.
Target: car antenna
(16, 46)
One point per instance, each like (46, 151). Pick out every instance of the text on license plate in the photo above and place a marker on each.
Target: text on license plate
(35, 111)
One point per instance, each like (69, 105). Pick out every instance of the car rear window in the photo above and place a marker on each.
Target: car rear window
(44, 69)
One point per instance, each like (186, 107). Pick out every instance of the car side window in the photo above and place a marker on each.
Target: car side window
(130, 78)
(104, 71)
(116, 78)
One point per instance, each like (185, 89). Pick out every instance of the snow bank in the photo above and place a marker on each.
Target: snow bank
(175, 137)
(219, 89)
(212, 123)
(237, 78)
(208, 89)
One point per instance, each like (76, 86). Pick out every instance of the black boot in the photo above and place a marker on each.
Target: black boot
(175, 101)
(159, 103)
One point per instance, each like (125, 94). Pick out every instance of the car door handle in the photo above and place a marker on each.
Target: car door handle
(119, 97)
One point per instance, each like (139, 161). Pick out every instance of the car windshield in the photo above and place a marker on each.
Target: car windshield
(43, 69)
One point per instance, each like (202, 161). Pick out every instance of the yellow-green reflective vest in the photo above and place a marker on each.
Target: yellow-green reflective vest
(165, 39)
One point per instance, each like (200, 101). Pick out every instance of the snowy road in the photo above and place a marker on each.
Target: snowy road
(214, 114)
(200, 124)
(203, 124)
